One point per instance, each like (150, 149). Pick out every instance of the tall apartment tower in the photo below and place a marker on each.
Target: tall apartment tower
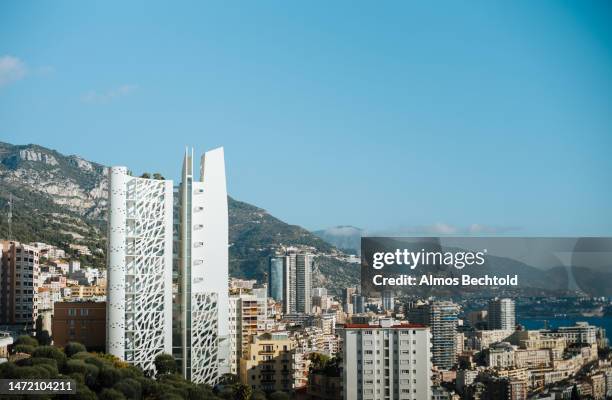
(303, 292)
(501, 314)
(139, 293)
(297, 282)
(441, 317)
(201, 328)
(290, 283)
(388, 300)
(19, 282)
(390, 360)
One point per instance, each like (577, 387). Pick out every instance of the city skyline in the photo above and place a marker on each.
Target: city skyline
(513, 96)
(419, 200)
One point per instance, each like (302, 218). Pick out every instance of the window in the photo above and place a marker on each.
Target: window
(72, 312)
(84, 312)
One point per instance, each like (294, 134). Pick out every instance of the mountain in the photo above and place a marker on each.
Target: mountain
(61, 199)
(57, 199)
(344, 237)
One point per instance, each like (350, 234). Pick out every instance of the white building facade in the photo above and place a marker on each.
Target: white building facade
(201, 323)
(139, 292)
(501, 314)
(389, 360)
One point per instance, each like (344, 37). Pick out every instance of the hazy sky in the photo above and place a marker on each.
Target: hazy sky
(418, 117)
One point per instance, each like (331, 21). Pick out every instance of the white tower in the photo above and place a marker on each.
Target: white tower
(139, 297)
(203, 326)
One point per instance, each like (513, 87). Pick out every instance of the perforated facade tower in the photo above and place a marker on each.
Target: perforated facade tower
(139, 297)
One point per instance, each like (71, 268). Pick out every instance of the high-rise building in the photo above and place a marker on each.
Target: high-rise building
(247, 317)
(275, 278)
(358, 303)
(501, 314)
(297, 281)
(150, 254)
(304, 266)
(388, 300)
(390, 360)
(201, 326)
(289, 284)
(19, 282)
(347, 295)
(441, 317)
(139, 303)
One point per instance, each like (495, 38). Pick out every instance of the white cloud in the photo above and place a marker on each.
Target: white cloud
(447, 229)
(479, 228)
(11, 69)
(96, 97)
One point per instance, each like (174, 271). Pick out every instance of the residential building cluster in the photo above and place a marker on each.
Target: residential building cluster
(166, 289)
(35, 277)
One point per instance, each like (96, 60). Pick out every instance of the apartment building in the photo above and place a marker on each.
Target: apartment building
(247, 317)
(389, 360)
(19, 282)
(268, 362)
(441, 317)
(501, 314)
(79, 321)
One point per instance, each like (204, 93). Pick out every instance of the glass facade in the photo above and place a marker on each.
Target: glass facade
(275, 278)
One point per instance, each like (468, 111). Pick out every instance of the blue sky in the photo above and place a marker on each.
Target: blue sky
(411, 117)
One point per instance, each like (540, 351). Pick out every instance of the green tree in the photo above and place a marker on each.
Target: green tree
(26, 340)
(72, 348)
(42, 335)
(258, 395)
(108, 376)
(278, 395)
(242, 392)
(318, 361)
(130, 388)
(165, 364)
(50, 352)
(158, 176)
(7, 370)
(110, 394)
(229, 379)
(83, 393)
(146, 175)
(24, 348)
(44, 338)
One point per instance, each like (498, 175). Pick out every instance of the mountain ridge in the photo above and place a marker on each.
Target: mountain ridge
(62, 198)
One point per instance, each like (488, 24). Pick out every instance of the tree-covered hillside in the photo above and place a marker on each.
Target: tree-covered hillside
(60, 199)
